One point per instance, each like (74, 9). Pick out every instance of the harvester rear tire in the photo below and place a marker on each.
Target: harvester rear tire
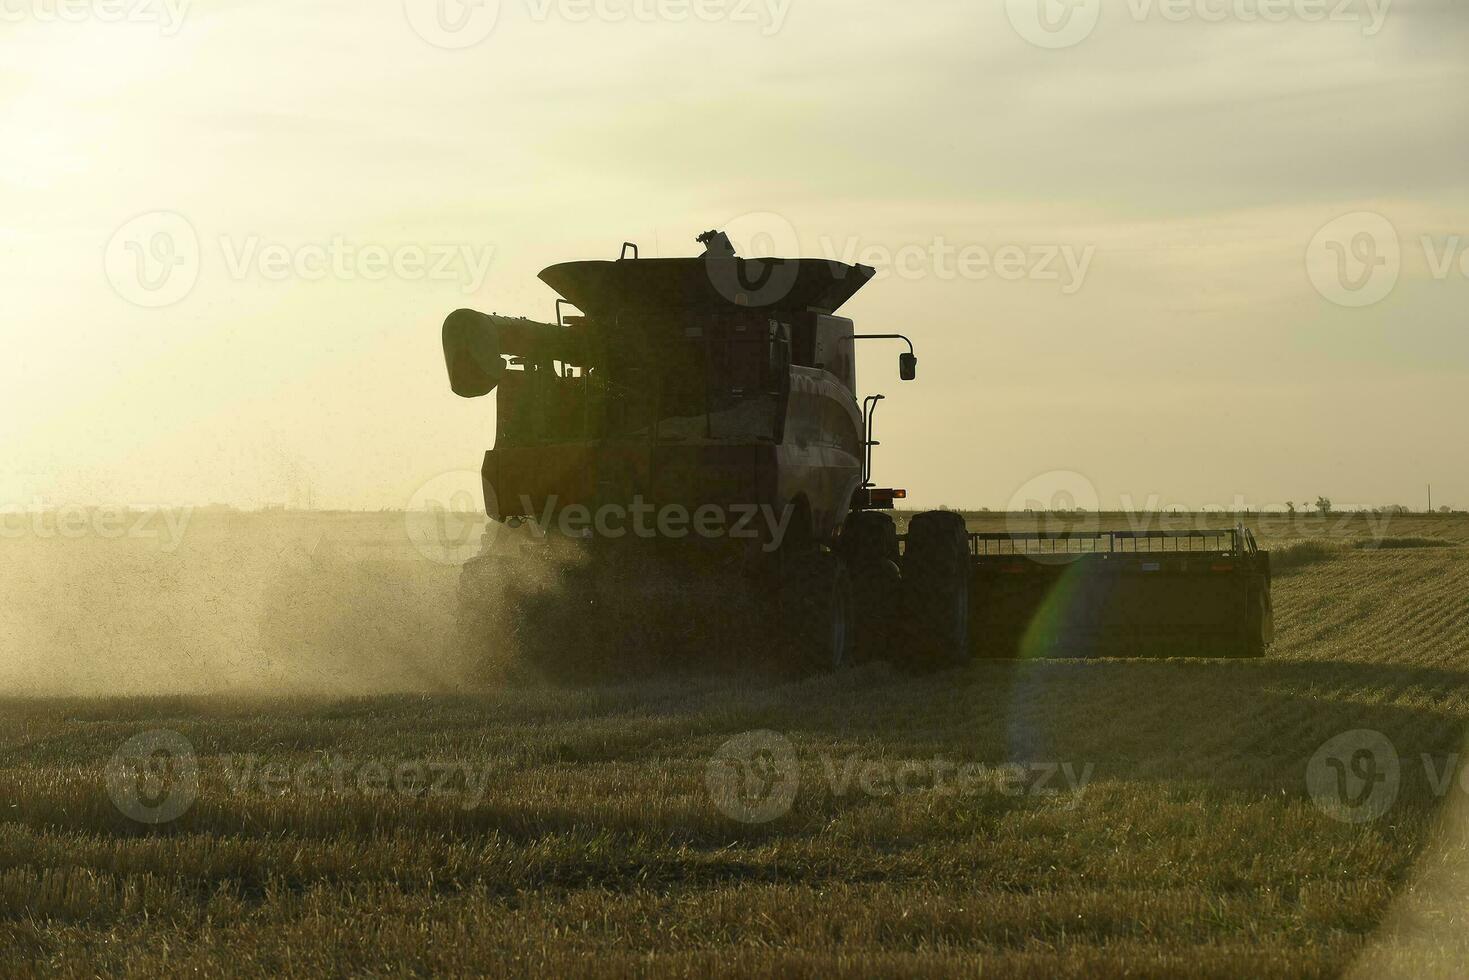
(472, 614)
(936, 590)
(481, 621)
(819, 611)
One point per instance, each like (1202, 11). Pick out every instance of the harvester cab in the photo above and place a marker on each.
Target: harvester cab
(703, 413)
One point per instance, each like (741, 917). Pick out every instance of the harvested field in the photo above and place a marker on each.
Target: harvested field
(360, 808)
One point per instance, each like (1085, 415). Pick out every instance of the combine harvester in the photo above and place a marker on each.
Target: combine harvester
(720, 393)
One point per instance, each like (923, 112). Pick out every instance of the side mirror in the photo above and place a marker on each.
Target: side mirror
(907, 366)
(472, 353)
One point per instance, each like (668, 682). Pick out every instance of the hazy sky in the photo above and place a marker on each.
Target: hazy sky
(1099, 246)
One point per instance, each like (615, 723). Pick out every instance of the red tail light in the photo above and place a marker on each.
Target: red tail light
(873, 498)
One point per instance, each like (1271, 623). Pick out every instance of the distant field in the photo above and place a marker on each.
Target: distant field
(360, 810)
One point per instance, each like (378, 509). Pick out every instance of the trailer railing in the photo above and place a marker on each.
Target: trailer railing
(1234, 541)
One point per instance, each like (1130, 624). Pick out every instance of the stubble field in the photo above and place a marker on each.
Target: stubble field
(359, 809)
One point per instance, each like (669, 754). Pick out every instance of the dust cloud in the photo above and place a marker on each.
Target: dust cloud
(213, 601)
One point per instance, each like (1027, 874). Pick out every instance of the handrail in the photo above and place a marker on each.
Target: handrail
(1238, 540)
(869, 417)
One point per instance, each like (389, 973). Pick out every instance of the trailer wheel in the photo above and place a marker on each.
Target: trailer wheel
(818, 611)
(936, 589)
(869, 546)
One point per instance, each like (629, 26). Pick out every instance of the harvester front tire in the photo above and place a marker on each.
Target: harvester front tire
(869, 546)
(936, 590)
